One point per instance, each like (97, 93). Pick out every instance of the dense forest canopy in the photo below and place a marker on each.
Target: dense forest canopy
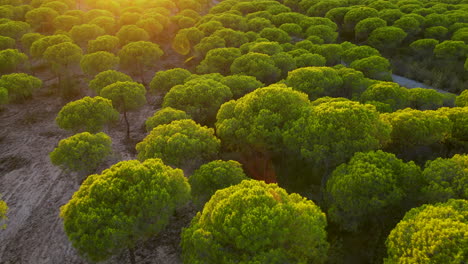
(296, 131)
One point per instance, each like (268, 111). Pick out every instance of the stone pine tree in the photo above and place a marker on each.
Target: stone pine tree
(125, 96)
(431, 234)
(87, 114)
(127, 203)
(63, 57)
(82, 152)
(181, 143)
(213, 176)
(140, 56)
(255, 222)
(3, 212)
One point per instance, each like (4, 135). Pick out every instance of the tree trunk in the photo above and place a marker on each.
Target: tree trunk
(142, 74)
(131, 254)
(59, 85)
(128, 125)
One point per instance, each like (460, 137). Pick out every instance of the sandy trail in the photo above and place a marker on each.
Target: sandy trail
(33, 188)
(409, 83)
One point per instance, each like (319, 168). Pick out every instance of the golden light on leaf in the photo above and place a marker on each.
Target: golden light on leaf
(181, 45)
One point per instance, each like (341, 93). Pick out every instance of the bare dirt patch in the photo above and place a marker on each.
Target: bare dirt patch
(35, 190)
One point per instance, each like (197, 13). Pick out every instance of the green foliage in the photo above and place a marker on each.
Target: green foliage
(213, 176)
(328, 34)
(41, 18)
(354, 82)
(461, 34)
(94, 63)
(433, 20)
(266, 47)
(357, 14)
(292, 29)
(63, 55)
(451, 50)
(364, 28)
(431, 234)
(446, 179)
(425, 99)
(337, 14)
(462, 99)
(210, 27)
(151, 26)
(330, 133)
(11, 60)
(257, 24)
(369, 187)
(14, 29)
(93, 13)
(439, 33)
(82, 152)
(233, 21)
(207, 44)
(390, 15)
(322, 7)
(129, 17)
(57, 6)
(125, 96)
(261, 66)
(106, 78)
(331, 52)
(3, 96)
(409, 24)
(129, 202)
(417, 128)
(200, 98)
(315, 81)
(389, 93)
(65, 22)
(179, 143)
(28, 39)
(357, 53)
(19, 85)
(103, 43)
(87, 114)
(7, 43)
(375, 67)
(131, 33)
(255, 222)
(424, 47)
(275, 34)
(3, 213)
(219, 60)
(39, 46)
(6, 11)
(256, 122)
(83, 33)
(231, 37)
(137, 56)
(193, 35)
(459, 119)
(165, 116)
(241, 85)
(387, 39)
(285, 63)
(163, 81)
(107, 23)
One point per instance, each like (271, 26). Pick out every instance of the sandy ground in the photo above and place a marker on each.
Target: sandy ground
(34, 189)
(408, 83)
